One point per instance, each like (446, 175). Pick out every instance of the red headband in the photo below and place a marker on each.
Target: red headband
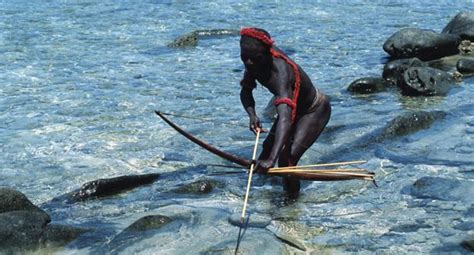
(254, 33)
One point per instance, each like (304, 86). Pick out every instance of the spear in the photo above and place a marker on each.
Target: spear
(250, 176)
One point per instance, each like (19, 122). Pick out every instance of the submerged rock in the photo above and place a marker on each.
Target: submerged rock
(111, 186)
(421, 43)
(253, 220)
(191, 39)
(425, 81)
(442, 189)
(295, 233)
(462, 25)
(409, 123)
(59, 235)
(468, 243)
(197, 187)
(368, 85)
(404, 124)
(406, 228)
(149, 222)
(263, 243)
(141, 229)
(188, 40)
(465, 226)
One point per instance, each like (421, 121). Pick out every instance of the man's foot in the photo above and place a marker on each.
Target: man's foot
(292, 187)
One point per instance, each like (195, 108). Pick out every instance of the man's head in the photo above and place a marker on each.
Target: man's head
(255, 45)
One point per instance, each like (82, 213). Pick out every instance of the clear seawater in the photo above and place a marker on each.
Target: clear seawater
(80, 80)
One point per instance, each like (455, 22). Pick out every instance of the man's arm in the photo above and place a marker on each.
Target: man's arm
(246, 97)
(283, 125)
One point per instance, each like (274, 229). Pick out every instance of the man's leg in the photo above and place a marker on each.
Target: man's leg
(306, 132)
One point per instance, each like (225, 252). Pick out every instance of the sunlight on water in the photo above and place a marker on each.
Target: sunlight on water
(80, 83)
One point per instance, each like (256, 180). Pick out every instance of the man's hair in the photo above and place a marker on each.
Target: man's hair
(250, 40)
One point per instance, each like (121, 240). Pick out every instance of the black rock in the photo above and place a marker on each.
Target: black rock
(188, 40)
(393, 70)
(111, 186)
(421, 43)
(425, 81)
(368, 85)
(462, 25)
(25, 227)
(12, 200)
(22, 229)
(465, 66)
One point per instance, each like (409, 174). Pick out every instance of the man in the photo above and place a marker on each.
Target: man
(303, 111)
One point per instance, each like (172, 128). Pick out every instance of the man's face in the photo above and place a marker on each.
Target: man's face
(255, 56)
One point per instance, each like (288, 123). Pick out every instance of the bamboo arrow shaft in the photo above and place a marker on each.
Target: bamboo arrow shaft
(250, 176)
(297, 170)
(319, 165)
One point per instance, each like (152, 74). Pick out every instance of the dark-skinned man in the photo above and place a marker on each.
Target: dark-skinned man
(303, 110)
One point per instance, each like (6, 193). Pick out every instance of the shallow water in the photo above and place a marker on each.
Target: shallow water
(79, 83)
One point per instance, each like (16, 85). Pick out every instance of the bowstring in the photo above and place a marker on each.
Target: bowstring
(231, 124)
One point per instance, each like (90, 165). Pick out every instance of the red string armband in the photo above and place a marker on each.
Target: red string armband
(288, 102)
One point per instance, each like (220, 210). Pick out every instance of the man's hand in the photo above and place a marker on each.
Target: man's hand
(255, 124)
(262, 166)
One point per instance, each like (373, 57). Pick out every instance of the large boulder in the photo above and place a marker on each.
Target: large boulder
(13, 200)
(425, 81)
(22, 229)
(462, 25)
(25, 227)
(421, 43)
